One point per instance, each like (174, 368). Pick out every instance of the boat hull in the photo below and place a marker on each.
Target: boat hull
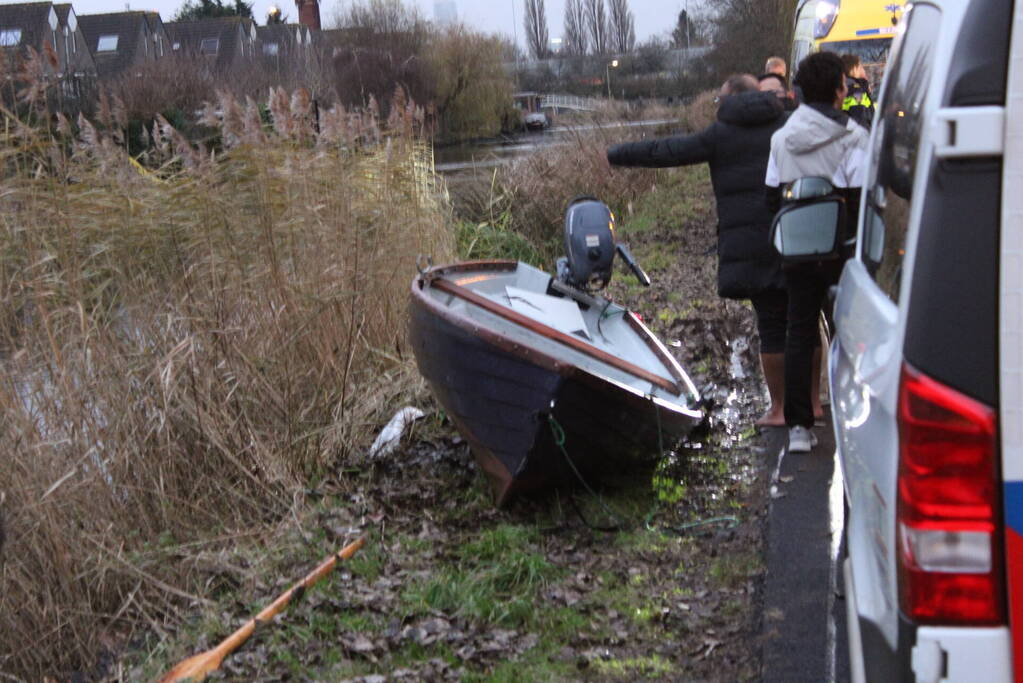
(512, 404)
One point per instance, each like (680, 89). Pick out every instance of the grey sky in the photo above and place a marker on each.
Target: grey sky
(653, 17)
(494, 16)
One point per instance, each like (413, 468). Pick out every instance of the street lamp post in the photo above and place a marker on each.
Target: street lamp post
(613, 64)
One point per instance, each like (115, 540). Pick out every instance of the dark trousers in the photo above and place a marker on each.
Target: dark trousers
(807, 285)
(771, 307)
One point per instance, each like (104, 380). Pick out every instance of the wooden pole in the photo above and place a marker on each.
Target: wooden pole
(201, 665)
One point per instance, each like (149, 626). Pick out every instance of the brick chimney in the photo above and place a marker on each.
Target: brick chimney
(309, 13)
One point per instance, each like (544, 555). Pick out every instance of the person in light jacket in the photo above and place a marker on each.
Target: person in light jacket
(736, 146)
(818, 139)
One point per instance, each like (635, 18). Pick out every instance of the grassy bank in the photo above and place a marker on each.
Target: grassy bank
(188, 344)
(196, 353)
(450, 588)
(517, 210)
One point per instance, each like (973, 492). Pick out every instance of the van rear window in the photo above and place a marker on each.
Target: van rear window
(900, 123)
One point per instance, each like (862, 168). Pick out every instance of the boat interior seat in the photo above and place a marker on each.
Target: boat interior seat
(557, 312)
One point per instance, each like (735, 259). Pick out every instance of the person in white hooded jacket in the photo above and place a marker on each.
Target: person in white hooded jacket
(817, 140)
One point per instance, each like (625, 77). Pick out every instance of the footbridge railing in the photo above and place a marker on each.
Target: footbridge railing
(557, 101)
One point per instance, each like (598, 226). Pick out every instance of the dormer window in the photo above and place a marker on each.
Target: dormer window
(209, 46)
(107, 44)
(10, 37)
(271, 49)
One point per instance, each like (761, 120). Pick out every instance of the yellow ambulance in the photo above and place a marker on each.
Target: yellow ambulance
(861, 27)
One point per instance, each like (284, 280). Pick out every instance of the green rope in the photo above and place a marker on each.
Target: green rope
(558, 432)
(605, 314)
(682, 528)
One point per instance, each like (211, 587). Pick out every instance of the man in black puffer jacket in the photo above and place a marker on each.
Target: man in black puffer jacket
(737, 147)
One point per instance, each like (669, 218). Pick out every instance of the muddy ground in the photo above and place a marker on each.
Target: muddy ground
(450, 588)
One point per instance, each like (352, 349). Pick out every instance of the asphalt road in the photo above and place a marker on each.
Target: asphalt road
(804, 632)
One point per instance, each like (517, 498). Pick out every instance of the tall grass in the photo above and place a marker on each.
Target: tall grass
(185, 343)
(519, 208)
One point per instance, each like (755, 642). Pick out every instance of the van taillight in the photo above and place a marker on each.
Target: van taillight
(949, 538)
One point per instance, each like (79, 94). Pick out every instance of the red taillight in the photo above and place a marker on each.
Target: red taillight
(949, 543)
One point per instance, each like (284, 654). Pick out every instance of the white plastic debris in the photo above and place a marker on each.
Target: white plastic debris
(389, 437)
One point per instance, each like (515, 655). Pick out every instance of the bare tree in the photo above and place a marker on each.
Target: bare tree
(596, 25)
(691, 30)
(623, 27)
(747, 31)
(536, 28)
(384, 43)
(384, 17)
(576, 38)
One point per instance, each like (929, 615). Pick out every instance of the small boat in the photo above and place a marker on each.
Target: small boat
(548, 383)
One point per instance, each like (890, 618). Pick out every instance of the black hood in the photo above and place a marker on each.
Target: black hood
(750, 109)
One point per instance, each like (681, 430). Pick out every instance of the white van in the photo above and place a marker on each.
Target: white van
(926, 371)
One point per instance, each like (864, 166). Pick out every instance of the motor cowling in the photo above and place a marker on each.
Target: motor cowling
(589, 245)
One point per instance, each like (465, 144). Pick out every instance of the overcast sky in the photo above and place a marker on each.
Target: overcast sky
(653, 17)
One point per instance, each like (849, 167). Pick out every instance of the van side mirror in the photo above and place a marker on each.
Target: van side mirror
(803, 189)
(810, 230)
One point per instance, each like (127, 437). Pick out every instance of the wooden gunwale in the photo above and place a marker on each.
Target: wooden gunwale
(497, 309)
(657, 347)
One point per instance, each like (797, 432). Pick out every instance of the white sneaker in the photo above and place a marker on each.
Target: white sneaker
(801, 440)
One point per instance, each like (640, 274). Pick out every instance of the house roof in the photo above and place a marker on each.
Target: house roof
(78, 60)
(333, 37)
(125, 25)
(282, 32)
(31, 17)
(155, 22)
(64, 11)
(228, 30)
(286, 35)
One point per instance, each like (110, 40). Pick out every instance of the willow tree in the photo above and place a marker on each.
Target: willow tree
(473, 94)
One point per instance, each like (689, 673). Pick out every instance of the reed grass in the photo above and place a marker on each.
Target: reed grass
(187, 341)
(520, 207)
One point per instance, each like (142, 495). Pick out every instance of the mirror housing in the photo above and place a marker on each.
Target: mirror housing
(810, 230)
(805, 189)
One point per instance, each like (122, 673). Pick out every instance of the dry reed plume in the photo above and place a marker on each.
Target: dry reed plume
(185, 343)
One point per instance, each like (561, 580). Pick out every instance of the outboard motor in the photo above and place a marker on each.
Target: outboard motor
(590, 247)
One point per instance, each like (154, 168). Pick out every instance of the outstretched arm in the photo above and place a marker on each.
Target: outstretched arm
(681, 150)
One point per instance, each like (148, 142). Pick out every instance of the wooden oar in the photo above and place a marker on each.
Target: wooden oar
(198, 667)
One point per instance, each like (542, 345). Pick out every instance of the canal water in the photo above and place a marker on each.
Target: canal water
(491, 153)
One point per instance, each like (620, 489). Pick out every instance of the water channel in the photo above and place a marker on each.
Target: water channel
(494, 152)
